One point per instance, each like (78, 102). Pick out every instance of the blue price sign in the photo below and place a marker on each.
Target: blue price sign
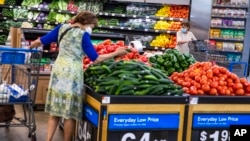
(219, 120)
(215, 127)
(143, 121)
(91, 114)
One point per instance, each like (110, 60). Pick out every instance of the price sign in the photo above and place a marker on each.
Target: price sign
(215, 135)
(216, 127)
(86, 131)
(143, 127)
(142, 136)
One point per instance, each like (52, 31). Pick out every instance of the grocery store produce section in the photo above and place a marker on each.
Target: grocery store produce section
(153, 85)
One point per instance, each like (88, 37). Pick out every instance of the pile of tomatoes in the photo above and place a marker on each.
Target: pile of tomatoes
(107, 46)
(206, 78)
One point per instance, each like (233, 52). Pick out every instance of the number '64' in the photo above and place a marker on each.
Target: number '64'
(132, 136)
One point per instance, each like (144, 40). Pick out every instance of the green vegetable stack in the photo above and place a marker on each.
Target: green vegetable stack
(172, 61)
(10, 2)
(6, 12)
(129, 78)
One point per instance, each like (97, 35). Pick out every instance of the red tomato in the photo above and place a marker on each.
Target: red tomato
(213, 91)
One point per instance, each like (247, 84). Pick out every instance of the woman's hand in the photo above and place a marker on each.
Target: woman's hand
(121, 51)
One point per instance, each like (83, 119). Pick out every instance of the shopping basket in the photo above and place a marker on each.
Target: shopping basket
(204, 51)
(19, 72)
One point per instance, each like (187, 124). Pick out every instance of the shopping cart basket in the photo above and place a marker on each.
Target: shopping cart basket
(19, 71)
(204, 51)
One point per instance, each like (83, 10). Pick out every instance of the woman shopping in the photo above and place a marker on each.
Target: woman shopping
(184, 36)
(65, 91)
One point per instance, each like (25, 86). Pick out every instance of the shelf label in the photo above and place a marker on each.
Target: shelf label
(72, 12)
(100, 13)
(156, 48)
(37, 21)
(11, 6)
(106, 14)
(168, 31)
(91, 114)
(19, 7)
(29, 20)
(219, 120)
(38, 9)
(134, 16)
(161, 18)
(147, 17)
(28, 8)
(171, 18)
(215, 135)
(59, 11)
(143, 121)
(4, 18)
(123, 15)
(105, 99)
(111, 27)
(156, 31)
(112, 14)
(181, 19)
(193, 100)
(48, 22)
(146, 30)
(121, 27)
(15, 19)
(52, 10)
(129, 28)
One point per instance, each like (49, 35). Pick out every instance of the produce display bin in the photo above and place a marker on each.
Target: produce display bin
(209, 118)
(122, 118)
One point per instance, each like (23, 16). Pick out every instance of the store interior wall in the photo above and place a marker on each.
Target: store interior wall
(200, 18)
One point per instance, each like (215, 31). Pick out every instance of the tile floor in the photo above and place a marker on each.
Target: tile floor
(21, 133)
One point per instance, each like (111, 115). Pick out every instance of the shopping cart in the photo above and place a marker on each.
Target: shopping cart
(204, 51)
(19, 71)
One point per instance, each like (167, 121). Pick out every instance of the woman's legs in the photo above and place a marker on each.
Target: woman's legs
(52, 125)
(69, 129)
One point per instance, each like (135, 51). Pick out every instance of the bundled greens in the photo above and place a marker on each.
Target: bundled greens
(31, 3)
(59, 4)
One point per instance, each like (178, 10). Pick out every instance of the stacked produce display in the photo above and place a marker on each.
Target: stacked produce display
(109, 46)
(205, 78)
(129, 78)
(172, 61)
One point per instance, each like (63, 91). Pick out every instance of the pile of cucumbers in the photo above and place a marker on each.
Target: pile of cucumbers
(129, 78)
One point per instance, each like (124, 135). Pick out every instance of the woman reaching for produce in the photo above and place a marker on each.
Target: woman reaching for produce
(183, 37)
(65, 91)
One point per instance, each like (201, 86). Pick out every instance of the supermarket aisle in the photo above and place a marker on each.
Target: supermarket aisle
(21, 133)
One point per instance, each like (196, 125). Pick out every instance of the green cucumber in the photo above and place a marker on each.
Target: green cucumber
(165, 81)
(131, 82)
(129, 92)
(118, 90)
(149, 82)
(113, 89)
(157, 74)
(107, 83)
(150, 77)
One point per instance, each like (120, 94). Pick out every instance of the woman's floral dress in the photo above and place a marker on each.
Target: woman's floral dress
(65, 91)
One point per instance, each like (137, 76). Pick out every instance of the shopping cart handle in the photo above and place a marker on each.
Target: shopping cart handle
(239, 63)
(8, 48)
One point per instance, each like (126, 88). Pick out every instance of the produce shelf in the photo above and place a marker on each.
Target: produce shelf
(123, 99)
(97, 35)
(228, 40)
(231, 17)
(155, 48)
(229, 6)
(135, 29)
(227, 27)
(220, 99)
(38, 9)
(138, 16)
